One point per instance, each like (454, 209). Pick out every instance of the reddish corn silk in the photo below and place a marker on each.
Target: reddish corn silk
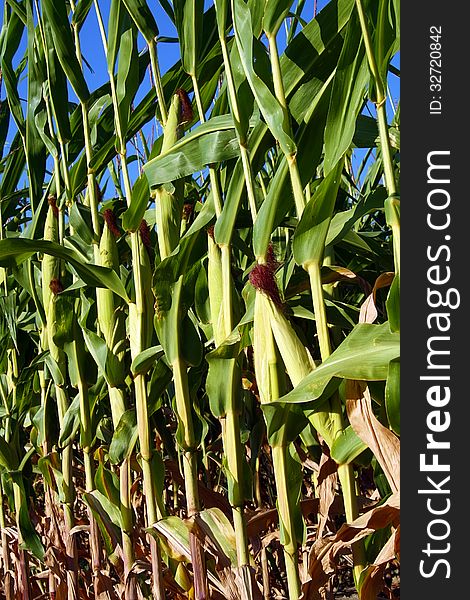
(110, 220)
(99, 193)
(144, 231)
(52, 201)
(55, 286)
(271, 259)
(187, 211)
(210, 232)
(262, 279)
(186, 113)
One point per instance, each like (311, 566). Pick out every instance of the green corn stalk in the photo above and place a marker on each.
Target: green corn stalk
(112, 328)
(8, 580)
(78, 357)
(232, 443)
(5, 549)
(92, 199)
(220, 298)
(268, 381)
(299, 364)
(168, 213)
(50, 270)
(140, 327)
(297, 188)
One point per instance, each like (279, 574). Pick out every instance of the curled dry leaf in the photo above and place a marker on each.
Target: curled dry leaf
(383, 443)
(325, 550)
(329, 274)
(369, 312)
(105, 587)
(327, 483)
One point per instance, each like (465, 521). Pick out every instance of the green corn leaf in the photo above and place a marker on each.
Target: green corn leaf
(4, 124)
(107, 516)
(124, 438)
(31, 540)
(58, 93)
(117, 14)
(365, 354)
(323, 34)
(173, 286)
(174, 534)
(80, 220)
(386, 34)
(211, 142)
(269, 105)
(347, 97)
(191, 349)
(127, 81)
(347, 446)
(284, 422)
(280, 198)
(132, 217)
(70, 424)
(342, 222)
(82, 8)
(34, 147)
(392, 396)
(274, 14)
(218, 528)
(221, 11)
(14, 251)
(107, 483)
(55, 12)
(222, 376)
(143, 18)
(311, 232)
(188, 21)
(224, 227)
(11, 38)
(8, 456)
(144, 361)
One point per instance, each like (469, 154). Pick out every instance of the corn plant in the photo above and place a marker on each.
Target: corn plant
(199, 271)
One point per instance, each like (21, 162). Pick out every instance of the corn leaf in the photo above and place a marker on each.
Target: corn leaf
(211, 142)
(132, 217)
(14, 251)
(311, 232)
(365, 354)
(267, 102)
(347, 446)
(275, 13)
(124, 438)
(347, 97)
(55, 12)
(188, 21)
(143, 18)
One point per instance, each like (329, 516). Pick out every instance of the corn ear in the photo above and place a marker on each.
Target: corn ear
(169, 204)
(50, 264)
(298, 363)
(264, 351)
(214, 280)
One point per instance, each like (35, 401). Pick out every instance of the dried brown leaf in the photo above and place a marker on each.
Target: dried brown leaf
(327, 482)
(368, 312)
(325, 550)
(384, 444)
